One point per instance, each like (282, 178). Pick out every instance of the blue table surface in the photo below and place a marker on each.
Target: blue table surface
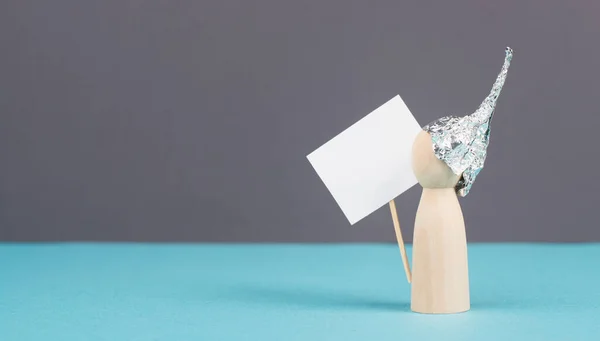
(181, 292)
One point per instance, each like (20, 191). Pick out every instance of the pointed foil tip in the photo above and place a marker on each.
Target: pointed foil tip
(461, 142)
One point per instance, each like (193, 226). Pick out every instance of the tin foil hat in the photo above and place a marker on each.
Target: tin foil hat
(461, 142)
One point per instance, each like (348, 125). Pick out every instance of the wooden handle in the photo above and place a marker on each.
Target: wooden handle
(400, 240)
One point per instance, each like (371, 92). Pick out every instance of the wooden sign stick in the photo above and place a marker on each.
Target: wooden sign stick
(400, 240)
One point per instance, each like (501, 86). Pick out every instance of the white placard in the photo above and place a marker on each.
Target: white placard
(369, 164)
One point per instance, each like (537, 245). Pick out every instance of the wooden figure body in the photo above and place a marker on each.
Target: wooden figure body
(440, 279)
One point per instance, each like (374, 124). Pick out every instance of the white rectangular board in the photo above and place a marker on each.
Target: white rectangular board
(369, 164)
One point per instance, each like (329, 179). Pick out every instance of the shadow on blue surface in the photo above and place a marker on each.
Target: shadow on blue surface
(312, 298)
(331, 299)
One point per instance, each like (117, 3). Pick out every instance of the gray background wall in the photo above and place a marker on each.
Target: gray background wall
(190, 120)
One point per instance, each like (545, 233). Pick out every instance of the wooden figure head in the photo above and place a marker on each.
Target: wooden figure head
(430, 171)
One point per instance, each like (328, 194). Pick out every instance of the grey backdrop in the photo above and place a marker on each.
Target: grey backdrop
(190, 120)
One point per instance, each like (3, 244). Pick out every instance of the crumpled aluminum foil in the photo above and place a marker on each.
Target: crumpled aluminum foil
(461, 142)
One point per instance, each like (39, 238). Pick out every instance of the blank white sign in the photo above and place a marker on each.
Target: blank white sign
(369, 164)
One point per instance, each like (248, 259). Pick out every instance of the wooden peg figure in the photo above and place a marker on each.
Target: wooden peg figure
(440, 279)
(446, 158)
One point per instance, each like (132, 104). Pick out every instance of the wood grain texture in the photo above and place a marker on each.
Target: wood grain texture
(440, 279)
